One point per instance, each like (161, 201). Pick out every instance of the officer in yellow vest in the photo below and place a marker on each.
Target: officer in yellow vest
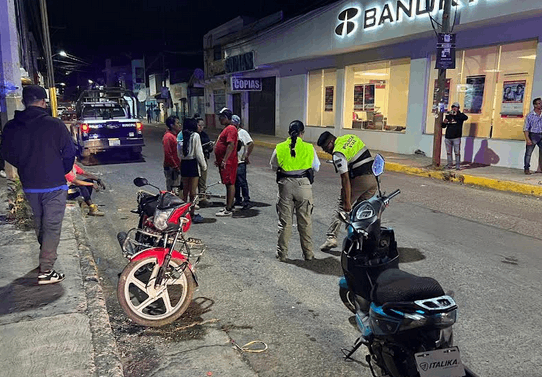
(353, 161)
(295, 162)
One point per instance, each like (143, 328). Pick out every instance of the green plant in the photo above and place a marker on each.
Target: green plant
(20, 212)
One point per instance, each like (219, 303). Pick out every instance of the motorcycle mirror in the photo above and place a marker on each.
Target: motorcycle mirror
(140, 182)
(378, 165)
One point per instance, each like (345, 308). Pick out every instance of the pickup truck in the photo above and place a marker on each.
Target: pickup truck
(104, 123)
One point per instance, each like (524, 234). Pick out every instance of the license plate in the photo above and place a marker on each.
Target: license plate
(131, 134)
(440, 363)
(114, 142)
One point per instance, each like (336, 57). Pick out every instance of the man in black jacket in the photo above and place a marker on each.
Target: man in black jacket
(42, 150)
(453, 122)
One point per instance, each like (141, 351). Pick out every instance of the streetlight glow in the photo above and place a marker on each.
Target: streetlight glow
(63, 53)
(90, 82)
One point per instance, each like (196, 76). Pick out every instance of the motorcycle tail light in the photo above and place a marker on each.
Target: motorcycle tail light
(161, 218)
(85, 128)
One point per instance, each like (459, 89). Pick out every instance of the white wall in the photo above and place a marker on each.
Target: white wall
(292, 99)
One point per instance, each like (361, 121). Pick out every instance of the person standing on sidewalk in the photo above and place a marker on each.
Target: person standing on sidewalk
(42, 150)
(295, 162)
(226, 158)
(453, 122)
(533, 134)
(207, 146)
(245, 147)
(353, 161)
(172, 164)
(192, 163)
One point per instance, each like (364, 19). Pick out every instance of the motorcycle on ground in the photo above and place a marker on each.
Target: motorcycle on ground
(156, 287)
(405, 320)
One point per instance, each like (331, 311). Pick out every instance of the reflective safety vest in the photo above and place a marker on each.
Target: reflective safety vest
(357, 155)
(304, 156)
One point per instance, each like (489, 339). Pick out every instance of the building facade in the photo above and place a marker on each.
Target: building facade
(368, 67)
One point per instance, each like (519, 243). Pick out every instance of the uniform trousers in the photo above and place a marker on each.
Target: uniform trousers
(363, 188)
(295, 195)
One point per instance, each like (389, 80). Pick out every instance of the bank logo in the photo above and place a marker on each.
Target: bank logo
(347, 26)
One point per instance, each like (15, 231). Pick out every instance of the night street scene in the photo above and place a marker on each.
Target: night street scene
(272, 189)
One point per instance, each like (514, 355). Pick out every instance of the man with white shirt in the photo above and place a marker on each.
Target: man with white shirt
(245, 146)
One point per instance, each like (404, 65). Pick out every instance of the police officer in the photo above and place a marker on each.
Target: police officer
(295, 162)
(353, 161)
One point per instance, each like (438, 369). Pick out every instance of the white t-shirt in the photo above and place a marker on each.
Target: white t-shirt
(340, 162)
(244, 139)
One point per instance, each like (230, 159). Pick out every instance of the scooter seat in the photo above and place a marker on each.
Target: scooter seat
(394, 285)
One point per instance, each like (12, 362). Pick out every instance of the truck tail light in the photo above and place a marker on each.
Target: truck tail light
(84, 128)
(139, 127)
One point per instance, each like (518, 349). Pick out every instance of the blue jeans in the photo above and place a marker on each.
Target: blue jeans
(241, 184)
(537, 140)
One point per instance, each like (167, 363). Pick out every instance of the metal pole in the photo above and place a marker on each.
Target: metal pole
(441, 89)
(48, 57)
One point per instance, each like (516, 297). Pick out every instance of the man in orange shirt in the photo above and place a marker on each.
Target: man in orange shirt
(226, 159)
(172, 163)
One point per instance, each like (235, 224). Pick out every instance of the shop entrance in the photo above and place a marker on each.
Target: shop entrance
(237, 104)
(261, 108)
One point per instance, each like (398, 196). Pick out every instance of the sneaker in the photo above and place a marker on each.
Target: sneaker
(224, 212)
(330, 243)
(248, 205)
(3, 174)
(197, 219)
(50, 277)
(309, 257)
(237, 203)
(527, 172)
(94, 211)
(196, 207)
(281, 257)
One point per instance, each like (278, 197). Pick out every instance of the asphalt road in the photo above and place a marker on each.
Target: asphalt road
(485, 246)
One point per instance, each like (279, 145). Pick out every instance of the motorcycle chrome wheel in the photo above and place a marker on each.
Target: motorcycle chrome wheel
(148, 305)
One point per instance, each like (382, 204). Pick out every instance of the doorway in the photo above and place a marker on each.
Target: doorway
(261, 108)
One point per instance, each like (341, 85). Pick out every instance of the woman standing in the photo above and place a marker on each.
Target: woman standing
(192, 163)
(295, 162)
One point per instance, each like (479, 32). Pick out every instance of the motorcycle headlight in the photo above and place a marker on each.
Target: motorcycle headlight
(365, 211)
(161, 217)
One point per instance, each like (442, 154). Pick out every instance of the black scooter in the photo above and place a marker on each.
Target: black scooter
(405, 320)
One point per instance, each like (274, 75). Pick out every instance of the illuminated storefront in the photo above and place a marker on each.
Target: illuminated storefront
(368, 67)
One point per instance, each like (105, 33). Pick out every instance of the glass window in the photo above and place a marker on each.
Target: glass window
(321, 97)
(369, 89)
(492, 85)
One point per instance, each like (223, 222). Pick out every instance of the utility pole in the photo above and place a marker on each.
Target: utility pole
(441, 88)
(48, 57)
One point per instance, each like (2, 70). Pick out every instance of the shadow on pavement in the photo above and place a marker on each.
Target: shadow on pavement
(112, 157)
(409, 255)
(245, 213)
(25, 294)
(326, 266)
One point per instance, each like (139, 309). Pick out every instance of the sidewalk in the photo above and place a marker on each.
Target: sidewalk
(53, 330)
(496, 178)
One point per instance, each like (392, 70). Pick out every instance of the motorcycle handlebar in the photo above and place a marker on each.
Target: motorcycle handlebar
(393, 194)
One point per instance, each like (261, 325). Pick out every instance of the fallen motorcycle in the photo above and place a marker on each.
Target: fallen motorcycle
(405, 320)
(156, 287)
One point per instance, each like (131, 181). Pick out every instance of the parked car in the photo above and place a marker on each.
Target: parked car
(105, 122)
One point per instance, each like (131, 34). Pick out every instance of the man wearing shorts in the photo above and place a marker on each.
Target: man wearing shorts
(226, 159)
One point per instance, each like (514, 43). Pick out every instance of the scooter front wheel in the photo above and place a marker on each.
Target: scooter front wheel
(347, 298)
(150, 305)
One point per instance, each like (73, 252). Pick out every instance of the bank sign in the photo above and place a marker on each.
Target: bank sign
(355, 18)
(246, 84)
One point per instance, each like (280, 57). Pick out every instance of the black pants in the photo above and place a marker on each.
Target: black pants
(84, 191)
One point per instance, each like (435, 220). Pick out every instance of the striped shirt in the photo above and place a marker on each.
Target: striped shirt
(533, 123)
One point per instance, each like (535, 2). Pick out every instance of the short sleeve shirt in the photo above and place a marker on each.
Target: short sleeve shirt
(72, 175)
(228, 135)
(340, 162)
(244, 140)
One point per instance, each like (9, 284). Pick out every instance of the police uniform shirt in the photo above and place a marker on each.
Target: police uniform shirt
(275, 163)
(340, 162)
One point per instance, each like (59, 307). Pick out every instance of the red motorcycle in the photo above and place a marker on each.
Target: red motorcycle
(156, 287)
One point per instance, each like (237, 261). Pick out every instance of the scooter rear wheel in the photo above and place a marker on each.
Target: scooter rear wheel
(148, 305)
(347, 298)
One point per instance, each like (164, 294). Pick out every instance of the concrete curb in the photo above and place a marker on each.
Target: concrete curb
(106, 355)
(449, 176)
